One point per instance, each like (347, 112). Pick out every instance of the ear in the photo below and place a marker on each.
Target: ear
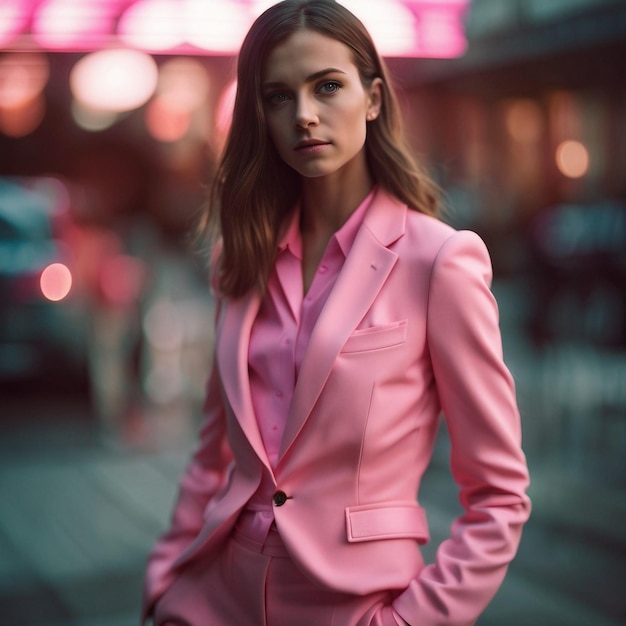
(375, 99)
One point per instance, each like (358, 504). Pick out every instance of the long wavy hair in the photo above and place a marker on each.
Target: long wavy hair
(254, 190)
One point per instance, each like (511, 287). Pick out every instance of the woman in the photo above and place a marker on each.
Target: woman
(348, 318)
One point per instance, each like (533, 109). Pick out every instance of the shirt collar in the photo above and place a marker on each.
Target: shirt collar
(344, 237)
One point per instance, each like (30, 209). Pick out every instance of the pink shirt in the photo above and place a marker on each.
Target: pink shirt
(278, 341)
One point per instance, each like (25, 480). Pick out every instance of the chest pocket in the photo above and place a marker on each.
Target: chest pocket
(376, 337)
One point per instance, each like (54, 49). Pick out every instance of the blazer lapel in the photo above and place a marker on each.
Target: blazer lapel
(233, 340)
(364, 273)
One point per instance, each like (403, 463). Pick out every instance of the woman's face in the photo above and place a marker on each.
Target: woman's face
(316, 106)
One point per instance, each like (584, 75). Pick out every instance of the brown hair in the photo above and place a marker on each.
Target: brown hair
(254, 189)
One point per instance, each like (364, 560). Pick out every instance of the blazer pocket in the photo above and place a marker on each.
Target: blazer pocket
(387, 520)
(376, 337)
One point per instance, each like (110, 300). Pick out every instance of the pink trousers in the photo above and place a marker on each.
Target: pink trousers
(252, 585)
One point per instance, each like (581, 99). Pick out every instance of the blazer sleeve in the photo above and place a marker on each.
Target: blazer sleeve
(204, 476)
(477, 396)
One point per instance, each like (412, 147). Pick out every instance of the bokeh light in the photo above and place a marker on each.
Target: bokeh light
(23, 77)
(218, 26)
(524, 120)
(92, 119)
(440, 31)
(163, 326)
(152, 25)
(114, 80)
(572, 159)
(68, 24)
(24, 119)
(56, 282)
(165, 121)
(182, 89)
(12, 20)
(121, 279)
(413, 28)
(391, 24)
(184, 82)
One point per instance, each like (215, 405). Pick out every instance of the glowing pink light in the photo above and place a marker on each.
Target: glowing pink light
(56, 282)
(391, 24)
(441, 32)
(402, 28)
(152, 25)
(13, 18)
(219, 25)
(68, 24)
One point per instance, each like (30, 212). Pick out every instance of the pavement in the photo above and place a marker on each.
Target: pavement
(80, 508)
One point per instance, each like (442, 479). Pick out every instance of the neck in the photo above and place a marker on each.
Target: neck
(326, 202)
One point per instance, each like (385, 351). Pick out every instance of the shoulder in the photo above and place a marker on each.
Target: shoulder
(435, 241)
(417, 237)
(422, 226)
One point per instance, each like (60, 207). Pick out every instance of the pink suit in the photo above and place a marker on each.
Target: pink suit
(409, 329)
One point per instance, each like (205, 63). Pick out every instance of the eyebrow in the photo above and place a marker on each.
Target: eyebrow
(309, 79)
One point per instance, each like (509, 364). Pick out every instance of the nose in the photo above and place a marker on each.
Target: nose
(306, 113)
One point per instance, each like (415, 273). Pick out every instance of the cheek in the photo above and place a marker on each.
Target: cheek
(356, 117)
(358, 129)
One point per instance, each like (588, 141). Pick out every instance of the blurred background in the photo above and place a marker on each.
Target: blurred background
(112, 116)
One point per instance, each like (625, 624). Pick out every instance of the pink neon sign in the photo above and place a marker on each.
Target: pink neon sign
(402, 28)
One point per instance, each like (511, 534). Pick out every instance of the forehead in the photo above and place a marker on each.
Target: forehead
(304, 53)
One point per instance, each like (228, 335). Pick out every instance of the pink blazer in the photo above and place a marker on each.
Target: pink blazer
(409, 330)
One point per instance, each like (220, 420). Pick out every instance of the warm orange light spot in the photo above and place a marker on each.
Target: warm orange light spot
(56, 282)
(524, 121)
(22, 119)
(184, 82)
(572, 159)
(165, 122)
(23, 77)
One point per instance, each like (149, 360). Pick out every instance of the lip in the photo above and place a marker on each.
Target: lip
(311, 146)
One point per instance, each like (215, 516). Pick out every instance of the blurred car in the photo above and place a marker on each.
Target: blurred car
(42, 318)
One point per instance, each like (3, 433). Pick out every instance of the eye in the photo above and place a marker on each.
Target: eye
(278, 97)
(329, 88)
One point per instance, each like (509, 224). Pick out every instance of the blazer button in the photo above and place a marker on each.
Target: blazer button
(279, 498)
